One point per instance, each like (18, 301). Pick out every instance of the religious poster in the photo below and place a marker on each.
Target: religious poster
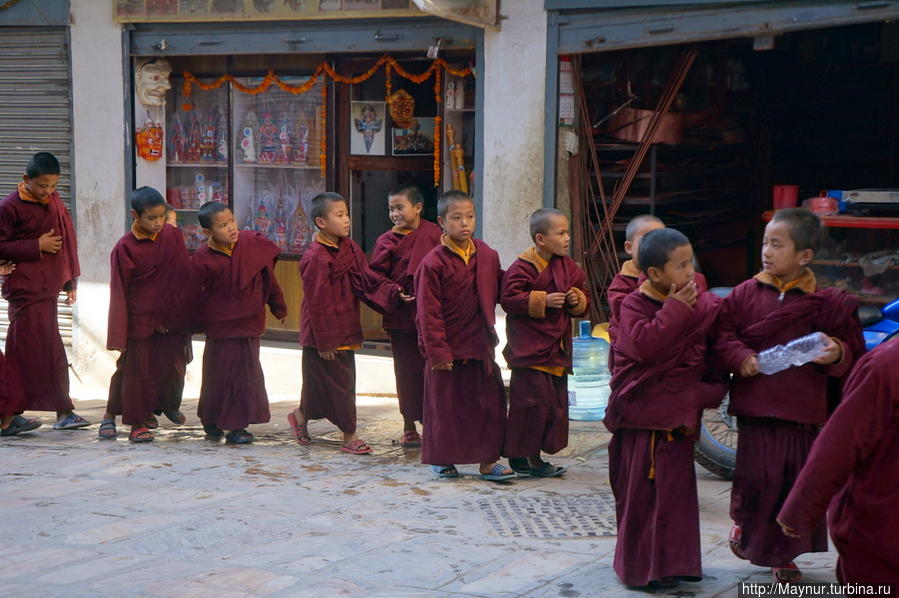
(415, 140)
(368, 129)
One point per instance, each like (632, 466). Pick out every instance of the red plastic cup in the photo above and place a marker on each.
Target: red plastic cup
(785, 196)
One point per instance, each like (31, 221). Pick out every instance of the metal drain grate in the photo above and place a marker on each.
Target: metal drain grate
(577, 516)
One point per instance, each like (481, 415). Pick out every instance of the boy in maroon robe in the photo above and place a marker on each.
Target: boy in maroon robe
(854, 459)
(12, 396)
(540, 293)
(396, 255)
(779, 415)
(659, 390)
(457, 289)
(147, 315)
(235, 272)
(36, 233)
(335, 276)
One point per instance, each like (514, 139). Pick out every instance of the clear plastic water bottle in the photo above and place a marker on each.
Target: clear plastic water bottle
(588, 386)
(796, 352)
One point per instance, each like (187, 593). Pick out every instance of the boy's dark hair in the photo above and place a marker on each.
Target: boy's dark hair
(540, 219)
(410, 192)
(805, 227)
(637, 222)
(657, 245)
(143, 198)
(208, 210)
(320, 205)
(169, 208)
(449, 198)
(40, 164)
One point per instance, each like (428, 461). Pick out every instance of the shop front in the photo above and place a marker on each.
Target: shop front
(262, 115)
(744, 100)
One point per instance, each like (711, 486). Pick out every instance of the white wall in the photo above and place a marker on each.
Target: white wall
(100, 134)
(514, 113)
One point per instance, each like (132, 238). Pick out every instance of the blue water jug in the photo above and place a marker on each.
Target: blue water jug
(588, 386)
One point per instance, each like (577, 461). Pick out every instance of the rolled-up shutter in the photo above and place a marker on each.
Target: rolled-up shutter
(35, 116)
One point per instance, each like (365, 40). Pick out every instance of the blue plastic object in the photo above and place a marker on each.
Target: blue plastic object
(885, 329)
(588, 386)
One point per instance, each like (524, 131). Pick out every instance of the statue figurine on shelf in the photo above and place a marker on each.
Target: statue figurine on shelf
(282, 156)
(280, 224)
(207, 144)
(178, 141)
(300, 142)
(221, 138)
(194, 139)
(248, 138)
(267, 139)
(261, 222)
(301, 229)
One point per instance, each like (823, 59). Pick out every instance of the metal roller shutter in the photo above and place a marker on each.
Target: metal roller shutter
(35, 115)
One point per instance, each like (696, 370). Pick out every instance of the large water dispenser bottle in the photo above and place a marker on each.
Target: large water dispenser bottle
(588, 386)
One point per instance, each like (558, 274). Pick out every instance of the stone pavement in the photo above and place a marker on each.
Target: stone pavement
(186, 517)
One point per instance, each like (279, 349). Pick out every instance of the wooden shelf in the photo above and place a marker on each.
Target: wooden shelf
(196, 165)
(844, 264)
(842, 221)
(278, 166)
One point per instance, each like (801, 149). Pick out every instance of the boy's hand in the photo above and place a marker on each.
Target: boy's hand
(787, 530)
(406, 298)
(750, 367)
(447, 366)
(833, 352)
(6, 268)
(328, 355)
(71, 296)
(687, 295)
(555, 300)
(572, 298)
(50, 243)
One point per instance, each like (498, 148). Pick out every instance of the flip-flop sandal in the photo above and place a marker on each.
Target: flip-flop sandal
(520, 466)
(411, 439)
(238, 437)
(548, 470)
(357, 447)
(152, 423)
(735, 541)
(497, 473)
(445, 471)
(176, 417)
(789, 573)
(20, 424)
(71, 422)
(300, 431)
(213, 431)
(665, 583)
(107, 429)
(140, 435)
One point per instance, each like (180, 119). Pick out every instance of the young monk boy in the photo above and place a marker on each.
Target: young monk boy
(658, 393)
(854, 459)
(235, 272)
(36, 233)
(147, 315)
(779, 415)
(628, 279)
(335, 276)
(541, 291)
(396, 255)
(12, 396)
(457, 289)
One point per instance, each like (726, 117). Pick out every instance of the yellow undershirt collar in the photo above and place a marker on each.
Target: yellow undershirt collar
(463, 252)
(140, 234)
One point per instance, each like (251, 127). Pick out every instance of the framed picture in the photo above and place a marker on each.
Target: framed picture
(368, 129)
(417, 140)
(361, 5)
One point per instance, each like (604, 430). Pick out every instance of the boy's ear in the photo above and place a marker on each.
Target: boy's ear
(629, 248)
(134, 214)
(441, 222)
(805, 257)
(418, 207)
(207, 232)
(319, 225)
(539, 240)
(653, 274)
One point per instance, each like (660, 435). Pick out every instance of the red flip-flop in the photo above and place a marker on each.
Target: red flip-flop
(735, 540)
(300, 431)
(357, 447)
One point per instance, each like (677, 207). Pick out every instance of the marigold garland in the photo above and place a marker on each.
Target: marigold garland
(390, 64)
(322, 139)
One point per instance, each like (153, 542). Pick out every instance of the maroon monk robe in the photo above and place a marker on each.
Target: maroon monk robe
(12, 395)
(33, 345)
(235, 290)
(539, 351)
(778, 415)
(397, 255)
(464, 408)
(149, 291)
(659, 389)
(854, 460)
(334, 281)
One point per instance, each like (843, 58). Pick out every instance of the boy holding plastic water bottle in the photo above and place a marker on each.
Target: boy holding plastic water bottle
(541, 291)
(779, 414)
(659, 388)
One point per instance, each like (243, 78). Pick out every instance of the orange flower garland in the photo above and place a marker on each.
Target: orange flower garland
(391, 65)
(323, 138)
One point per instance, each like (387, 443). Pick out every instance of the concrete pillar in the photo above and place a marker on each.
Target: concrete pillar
(514, 112)
(98, 106)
